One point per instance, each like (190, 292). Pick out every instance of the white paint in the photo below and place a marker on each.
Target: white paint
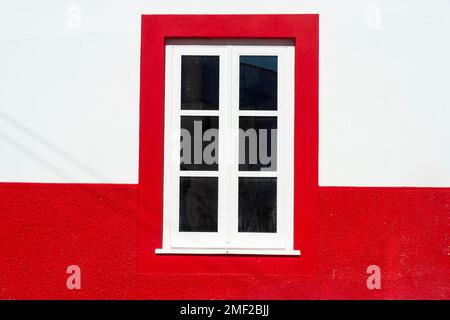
(227, 235)
(230, 251)
(69, 88)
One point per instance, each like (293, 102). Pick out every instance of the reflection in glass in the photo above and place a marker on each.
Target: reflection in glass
(257, 143)
(200, 82)
(257, 204)
(198, 204)
(199, 143)
(258, 83)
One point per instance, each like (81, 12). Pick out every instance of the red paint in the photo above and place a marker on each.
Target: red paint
(47, 227)
(304, 30)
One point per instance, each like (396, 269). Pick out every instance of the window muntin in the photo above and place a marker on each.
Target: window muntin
(254, 200)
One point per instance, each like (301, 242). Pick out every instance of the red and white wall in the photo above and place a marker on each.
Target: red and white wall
(69, 148)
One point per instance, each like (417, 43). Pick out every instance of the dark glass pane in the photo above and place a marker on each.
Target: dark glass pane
(258, 82)
(257, 204)
(199, 143)
(200, 82)
(198, 204)
(258, 143)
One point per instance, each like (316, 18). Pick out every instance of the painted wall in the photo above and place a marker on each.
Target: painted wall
(69, 88)
(69, 102)
(45, 228)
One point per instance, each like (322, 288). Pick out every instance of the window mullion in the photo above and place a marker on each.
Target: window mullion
(227, 166)
(234, 143)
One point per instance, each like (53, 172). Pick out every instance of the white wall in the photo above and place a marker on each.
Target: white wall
(69, 88)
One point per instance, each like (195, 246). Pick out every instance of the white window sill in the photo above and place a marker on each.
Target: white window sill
(262, 252)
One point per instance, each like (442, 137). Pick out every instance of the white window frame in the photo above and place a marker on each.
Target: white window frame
(228, 240)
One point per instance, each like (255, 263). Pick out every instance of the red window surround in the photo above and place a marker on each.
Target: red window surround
(303, 29)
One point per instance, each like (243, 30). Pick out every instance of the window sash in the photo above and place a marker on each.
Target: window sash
(228, 175)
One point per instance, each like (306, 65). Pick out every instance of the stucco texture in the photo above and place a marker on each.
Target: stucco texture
(46, 227)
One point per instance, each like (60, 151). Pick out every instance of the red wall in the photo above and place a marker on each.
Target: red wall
(46, 227)
(156, 29)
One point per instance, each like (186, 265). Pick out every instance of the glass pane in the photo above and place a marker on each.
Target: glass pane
(258, 143)
(258, 82)
(200, 82)
(198, 204)
(257, 204)
(199, 143)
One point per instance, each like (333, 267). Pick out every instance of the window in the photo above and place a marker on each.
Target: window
(229, 148)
